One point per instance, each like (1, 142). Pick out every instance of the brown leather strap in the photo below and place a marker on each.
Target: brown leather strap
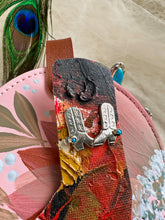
(56, 50)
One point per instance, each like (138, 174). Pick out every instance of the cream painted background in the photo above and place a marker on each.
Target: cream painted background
(131, 31)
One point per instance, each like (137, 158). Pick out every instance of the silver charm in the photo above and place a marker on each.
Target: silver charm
(108, 125)
(77, 134)
(76, 128)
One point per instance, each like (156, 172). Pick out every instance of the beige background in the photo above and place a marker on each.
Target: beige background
(108, 31)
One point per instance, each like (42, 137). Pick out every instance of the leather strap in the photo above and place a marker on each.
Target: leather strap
(56, 50)
(95, 175)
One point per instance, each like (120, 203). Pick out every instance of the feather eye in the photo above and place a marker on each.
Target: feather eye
(24, 37)
(26, 22)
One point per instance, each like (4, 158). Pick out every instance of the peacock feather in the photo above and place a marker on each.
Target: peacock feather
(6, 4)
(24, 35)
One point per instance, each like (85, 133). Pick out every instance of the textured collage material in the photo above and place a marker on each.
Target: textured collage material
(32, 166)
(88, 150)
(95, 181)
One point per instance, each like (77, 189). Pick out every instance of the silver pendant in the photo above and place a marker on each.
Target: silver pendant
(108, 123)
(76, 128)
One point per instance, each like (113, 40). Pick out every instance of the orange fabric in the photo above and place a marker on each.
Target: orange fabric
(56, 50)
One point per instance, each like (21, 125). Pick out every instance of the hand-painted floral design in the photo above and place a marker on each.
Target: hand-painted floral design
(28, 137)
(34, 188)
(149, 199)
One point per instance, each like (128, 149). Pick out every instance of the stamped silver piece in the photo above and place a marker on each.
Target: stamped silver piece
(108, 125)
(76, 129)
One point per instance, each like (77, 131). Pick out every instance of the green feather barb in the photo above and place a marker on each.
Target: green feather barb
(4, 5)
(24, 36)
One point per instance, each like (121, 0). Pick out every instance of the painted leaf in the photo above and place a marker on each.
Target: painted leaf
(7, 120)
(45, 157)
(26, 114)
(4, 197)
(44, 163)
(50, 129)
(108, 198)
(9, 142)
(5, 214)
(31, 199)
(90, 204)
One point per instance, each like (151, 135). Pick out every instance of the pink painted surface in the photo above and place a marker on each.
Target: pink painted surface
(140, 137)
(29, 194)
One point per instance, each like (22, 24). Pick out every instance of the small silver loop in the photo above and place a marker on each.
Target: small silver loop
(116, 66)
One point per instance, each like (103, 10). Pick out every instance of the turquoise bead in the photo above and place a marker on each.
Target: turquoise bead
(73, 140)
(118, 76)
(119, 131)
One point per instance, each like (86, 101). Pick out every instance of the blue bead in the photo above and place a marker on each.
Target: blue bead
(119, 131)
(26, 22)
(118, 76)
(74, 140)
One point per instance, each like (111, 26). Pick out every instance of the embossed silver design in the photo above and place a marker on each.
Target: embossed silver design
(76, 129)
(108, 125)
